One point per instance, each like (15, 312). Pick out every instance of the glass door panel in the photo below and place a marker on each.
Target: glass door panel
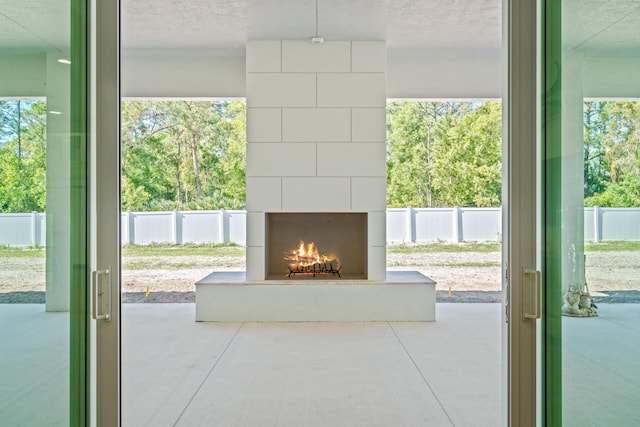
(43, 239)
(591, 338)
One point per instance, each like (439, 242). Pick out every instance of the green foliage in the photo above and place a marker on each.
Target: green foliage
(612, 153)
(625, 193)
(444, 154)
(467, 161)
(22, 156)
(612, 246)
(191, 155)
(31, 252)
(445, 247)
(185, 249)
(183, 155)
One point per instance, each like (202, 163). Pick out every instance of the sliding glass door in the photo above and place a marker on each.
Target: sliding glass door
(59, 213)
(44, 317)
(591, 225)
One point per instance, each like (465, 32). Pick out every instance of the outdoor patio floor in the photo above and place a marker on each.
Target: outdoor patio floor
(179, 372)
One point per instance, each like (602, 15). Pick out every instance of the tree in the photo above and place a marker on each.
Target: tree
(183, 154)
(467, 161)
(444, 154)
(612, 168)
(22, 156)
(413, 130)
(596, 124)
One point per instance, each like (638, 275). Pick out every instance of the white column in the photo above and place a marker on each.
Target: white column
(572, 185)
(58, 241)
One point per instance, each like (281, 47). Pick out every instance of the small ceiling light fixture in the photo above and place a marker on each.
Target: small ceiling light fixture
(55, 112)
(64, 61)
(317, 39)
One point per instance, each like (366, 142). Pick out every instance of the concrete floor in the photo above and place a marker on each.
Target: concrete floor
(311, 374)
(601, 366)
(179, 372)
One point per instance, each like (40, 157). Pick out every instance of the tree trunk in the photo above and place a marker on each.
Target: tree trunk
(178, 184)
(196, 171)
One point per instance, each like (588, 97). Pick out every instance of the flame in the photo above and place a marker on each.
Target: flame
(307, 255)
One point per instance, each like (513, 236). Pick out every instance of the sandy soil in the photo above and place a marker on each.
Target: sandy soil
(461, 271)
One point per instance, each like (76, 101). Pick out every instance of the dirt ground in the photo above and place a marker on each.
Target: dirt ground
(468, 274)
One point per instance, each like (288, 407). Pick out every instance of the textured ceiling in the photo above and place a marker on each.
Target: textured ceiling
(221, 27)
(602, 25)
(34, 25)
(406, 25)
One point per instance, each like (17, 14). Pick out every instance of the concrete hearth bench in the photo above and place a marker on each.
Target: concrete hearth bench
(229, 297)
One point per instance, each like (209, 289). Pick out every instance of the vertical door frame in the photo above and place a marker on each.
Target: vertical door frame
(519, 202)
(107, 206)
(551, 375)
(79, 358)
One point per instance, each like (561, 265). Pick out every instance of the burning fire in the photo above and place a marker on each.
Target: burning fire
(307, 255)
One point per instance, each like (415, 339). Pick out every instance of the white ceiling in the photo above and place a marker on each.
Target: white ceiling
(221, 27)
(406, 25)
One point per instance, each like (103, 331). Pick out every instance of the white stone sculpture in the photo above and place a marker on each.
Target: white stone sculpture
(577, 302)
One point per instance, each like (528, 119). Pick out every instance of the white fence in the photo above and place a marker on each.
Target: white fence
(221, 226)
(23, 229)
(403, 225)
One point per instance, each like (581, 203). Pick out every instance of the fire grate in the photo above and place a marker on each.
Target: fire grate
(312, 270)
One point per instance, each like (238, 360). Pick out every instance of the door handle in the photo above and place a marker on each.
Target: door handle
(526, 298)
(96, 294)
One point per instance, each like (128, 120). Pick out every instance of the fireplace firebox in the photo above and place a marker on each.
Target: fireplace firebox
(316, 245)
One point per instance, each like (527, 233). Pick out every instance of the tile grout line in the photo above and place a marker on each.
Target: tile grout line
(421, 373)
(208, 374)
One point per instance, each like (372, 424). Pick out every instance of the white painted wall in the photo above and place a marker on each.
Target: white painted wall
(407, 77)
(23, 76)
(436, 77)
(58, 268)
(183, 77)
(611, 77)
(445, 77)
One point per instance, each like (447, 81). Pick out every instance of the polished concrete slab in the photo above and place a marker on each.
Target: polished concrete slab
(319, 374)
(34, 366)
(176, 371)
(601, 367)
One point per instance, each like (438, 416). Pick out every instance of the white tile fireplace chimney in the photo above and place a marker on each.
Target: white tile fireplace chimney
(316, 132)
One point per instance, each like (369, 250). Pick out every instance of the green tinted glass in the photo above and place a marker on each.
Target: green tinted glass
(43, 255)
(591, 212)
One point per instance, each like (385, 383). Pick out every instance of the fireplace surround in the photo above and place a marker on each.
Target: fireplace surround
(316, 172)
(340, 238)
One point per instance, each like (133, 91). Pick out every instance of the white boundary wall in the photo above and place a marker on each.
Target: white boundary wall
(404, 225)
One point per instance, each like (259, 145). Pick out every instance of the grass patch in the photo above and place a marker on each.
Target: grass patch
(402, 264)
(612, 246)
(187, 249)
(31, 252)
(487, 264)
(155, 265)
(445, 247)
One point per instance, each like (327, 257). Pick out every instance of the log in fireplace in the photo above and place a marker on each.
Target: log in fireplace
(316, 245)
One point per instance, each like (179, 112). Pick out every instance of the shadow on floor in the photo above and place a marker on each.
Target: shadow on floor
(618, 297)
(612, 297)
